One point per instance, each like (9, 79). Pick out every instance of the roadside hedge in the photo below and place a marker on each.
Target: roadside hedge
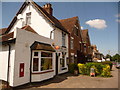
(101, 69)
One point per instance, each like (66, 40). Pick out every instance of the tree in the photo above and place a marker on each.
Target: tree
(116, 57)
(108, 56)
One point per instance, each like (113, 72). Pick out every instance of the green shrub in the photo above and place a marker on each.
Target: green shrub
(97, 66)
(100, 69)
(72, 67)
(82, 69)
(106, 71)
(109, 63)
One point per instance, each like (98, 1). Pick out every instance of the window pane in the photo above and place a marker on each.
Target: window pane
(46, 54)
(46, 63)
(35, 53)
(35, 64)
(28, 18)
(71, 43)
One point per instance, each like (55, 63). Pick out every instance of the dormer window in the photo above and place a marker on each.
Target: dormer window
(28, 18)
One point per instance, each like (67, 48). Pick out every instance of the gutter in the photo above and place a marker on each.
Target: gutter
(8, 64)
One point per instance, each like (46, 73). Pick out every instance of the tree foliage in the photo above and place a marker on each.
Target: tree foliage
(116, 57)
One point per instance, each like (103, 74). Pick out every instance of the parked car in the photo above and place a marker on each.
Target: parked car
(118, 65)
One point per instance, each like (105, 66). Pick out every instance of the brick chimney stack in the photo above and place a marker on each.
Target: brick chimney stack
(48, 8)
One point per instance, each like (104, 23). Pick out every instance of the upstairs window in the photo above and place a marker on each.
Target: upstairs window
(63, 39)
(28, 18)
(76, 30)
(71, 43)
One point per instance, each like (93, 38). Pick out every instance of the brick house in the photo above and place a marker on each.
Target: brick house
(76, 50)
(87, 45)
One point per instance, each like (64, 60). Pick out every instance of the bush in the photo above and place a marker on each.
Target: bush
(106, 71)
(100, 69)
(82, 69)
(72, 67)
(109, 63)
(97, 66)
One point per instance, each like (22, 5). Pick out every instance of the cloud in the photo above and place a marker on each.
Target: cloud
(97, 23)
(118, 15)
(81, 27)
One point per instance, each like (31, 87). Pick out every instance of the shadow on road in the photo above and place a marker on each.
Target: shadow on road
(56, 79)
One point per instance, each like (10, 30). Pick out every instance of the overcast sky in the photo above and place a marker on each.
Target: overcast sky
(101, 18)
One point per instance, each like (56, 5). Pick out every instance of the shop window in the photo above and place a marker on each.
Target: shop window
(35, 53)
(35, 64)
(42, 60)
(46, 64)
(46, 61)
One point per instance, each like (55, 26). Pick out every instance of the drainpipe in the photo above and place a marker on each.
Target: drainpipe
(51, 33)
(8, 64)
(31, 67)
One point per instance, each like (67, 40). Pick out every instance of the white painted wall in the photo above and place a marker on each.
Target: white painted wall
(38, 22)
(4, 50)
(58, 41)
(24, 40)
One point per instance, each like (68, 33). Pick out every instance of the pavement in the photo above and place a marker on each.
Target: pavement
(69, 81)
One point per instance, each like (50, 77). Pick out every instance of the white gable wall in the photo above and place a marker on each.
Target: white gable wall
(38, 22)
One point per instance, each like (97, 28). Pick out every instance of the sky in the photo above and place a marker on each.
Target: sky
(100, 18)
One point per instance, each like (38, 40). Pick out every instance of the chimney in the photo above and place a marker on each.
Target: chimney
(48, 8)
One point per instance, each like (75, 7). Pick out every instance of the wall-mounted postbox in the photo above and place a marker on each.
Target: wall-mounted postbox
(21, 74)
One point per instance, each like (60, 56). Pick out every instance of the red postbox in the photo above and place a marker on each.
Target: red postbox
(21, 74)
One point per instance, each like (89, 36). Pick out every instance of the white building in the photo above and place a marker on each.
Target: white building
(27, 49)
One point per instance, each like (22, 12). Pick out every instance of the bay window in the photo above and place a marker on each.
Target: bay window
(42, 61)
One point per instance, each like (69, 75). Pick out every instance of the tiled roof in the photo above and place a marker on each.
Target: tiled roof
(7, 37)
(84, 35)
(28, 28)
(69, 23)
(2, 31)
(52, 19)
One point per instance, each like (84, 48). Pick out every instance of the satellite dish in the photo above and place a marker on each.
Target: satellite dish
(19, 16)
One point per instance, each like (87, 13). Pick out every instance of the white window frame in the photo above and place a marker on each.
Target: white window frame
(39, 62)
(28, 17)
(72, 43)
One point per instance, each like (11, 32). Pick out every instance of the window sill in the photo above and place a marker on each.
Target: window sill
(43, 72)
(64, 68)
